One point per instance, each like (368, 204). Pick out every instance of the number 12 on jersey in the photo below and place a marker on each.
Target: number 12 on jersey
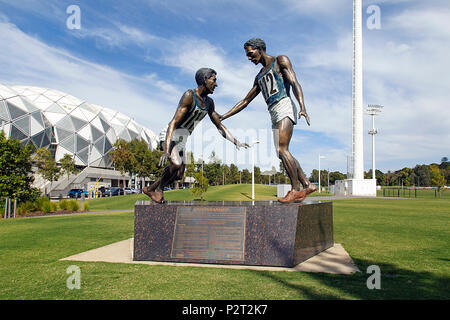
(269, 85)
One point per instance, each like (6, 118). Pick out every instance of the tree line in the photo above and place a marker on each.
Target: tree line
(135, 158)
(423, 175)
(16, 173)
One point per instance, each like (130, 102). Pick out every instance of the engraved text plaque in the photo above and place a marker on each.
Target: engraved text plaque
(208, 232)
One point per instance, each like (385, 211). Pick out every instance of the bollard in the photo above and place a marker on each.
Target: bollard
(6, 207)
(9, 208)
(15, 207)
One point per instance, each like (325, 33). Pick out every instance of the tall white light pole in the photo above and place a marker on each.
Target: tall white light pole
(253, 168)
(373, 110)
(357, 94)
(320, 157)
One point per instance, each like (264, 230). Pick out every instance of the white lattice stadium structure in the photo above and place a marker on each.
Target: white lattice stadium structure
(67, 125)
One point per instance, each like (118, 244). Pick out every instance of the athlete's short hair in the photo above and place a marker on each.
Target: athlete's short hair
(256, 43)
(202, 74)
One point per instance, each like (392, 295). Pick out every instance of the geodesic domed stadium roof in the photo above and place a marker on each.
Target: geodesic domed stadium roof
(45, 117)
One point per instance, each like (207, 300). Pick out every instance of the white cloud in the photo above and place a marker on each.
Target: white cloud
(25, 60)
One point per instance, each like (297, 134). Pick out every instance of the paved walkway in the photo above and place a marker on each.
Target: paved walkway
(333, 260)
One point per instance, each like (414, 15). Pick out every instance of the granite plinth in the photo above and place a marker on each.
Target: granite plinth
(259, 233)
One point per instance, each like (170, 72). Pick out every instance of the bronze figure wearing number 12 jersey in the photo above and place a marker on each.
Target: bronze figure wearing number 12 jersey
(275, 81)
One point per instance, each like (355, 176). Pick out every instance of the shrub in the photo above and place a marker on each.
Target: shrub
(46, 206)
(54, 206)
(25, 207)
(64, 204)
(85, 206)
(42, 204)
(74, 205)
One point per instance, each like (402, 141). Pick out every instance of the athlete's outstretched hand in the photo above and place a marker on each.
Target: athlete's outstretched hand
(303, 113)
(240, 144)
(163, 159)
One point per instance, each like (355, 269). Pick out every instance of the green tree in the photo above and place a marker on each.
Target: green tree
(314, 177)
(47, 167)
(15, 171)
(246, 176)
(258, 176)
(234, 174)
(226, 174)
(122, 158)
(423, 175)
(68, 166)
(336, 175)
(381, 177)
(445, 169)
(190, 165)
(437, 179)
(212, 170)
(200, 185)
(144, 162)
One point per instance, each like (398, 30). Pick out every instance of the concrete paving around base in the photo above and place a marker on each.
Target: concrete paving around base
(333, 260)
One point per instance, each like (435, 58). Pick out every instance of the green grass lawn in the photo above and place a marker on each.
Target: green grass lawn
(232, 192)
(407, 239)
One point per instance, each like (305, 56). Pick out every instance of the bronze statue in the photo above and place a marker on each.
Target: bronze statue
(275, 80)
(194, 105)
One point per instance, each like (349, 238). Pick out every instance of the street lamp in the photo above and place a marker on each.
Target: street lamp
(320, 157)
(373, 110)
(328, 184)
(253, 168)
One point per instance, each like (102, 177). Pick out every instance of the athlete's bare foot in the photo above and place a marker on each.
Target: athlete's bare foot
(293, 195)
(156, 196)
(311, 188)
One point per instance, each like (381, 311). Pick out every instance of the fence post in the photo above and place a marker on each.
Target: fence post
(415, 193)
(6, 207)
(15, 207)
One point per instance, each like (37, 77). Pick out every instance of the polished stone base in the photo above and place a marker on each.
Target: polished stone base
(259, 233)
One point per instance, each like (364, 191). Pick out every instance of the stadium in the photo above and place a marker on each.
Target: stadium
(67, 125)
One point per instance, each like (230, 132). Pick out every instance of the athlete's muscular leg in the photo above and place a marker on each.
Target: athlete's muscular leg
(285, 129)
(301, 175)
(171, 172)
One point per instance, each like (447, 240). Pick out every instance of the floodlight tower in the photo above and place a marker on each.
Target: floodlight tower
(357, 94)
(373, 110)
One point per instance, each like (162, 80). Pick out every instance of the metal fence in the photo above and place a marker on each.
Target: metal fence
(8, 209)
(415, 193)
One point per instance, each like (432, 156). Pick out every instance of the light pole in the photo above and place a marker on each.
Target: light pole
(373, 110)
(328, 185)
(320, 157)
(253, 168)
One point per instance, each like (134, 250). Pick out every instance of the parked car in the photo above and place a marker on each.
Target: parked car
(104, 192)
(115, 191)
(76, 193)
(131, 191)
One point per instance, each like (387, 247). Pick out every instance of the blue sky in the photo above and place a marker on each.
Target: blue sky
(138, 57)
